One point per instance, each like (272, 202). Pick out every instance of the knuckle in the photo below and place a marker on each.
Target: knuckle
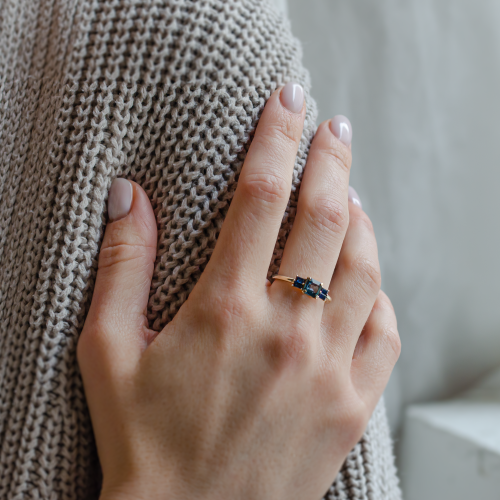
(368, 273)
(226, 320)
(328, 214)
(267, 187)
(386, 302)
(117, 253)
(391, 340)
(386, 327)
(334, 152)
(225, 313)
(282, 133)
(363, 220)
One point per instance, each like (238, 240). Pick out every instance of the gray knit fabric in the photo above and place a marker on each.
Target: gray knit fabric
(164, 92)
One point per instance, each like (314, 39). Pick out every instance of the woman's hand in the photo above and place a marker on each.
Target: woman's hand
(253, 391)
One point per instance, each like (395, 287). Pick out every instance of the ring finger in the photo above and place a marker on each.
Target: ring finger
(322, 217)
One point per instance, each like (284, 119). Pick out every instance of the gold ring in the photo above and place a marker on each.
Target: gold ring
(308, 286)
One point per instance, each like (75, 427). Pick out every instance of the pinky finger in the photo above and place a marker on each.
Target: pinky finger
(376, 352)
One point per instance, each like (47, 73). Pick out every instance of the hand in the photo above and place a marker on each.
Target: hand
(253, 391)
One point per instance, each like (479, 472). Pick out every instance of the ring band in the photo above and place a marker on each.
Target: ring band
(308, 286)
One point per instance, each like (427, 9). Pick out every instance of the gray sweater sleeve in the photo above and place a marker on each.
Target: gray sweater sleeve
(167, 93)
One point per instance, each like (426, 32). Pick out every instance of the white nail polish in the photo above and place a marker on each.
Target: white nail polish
(120, 198)
(354, 197)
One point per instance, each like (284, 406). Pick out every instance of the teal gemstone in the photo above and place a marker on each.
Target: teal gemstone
(312, 288)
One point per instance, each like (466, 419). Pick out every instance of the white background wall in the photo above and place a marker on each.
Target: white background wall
(420, 81)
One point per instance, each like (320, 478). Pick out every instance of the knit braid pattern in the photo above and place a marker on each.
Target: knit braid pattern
(167, 93)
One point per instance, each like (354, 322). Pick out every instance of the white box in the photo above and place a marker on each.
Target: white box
(451, 450)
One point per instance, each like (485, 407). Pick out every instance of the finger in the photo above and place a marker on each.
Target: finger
(115, 331)
(322, 217)
(248, 236)
(376, 352)
(354, 286)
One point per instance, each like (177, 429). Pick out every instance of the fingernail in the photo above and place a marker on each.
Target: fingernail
(292, 97)
(341, 128)
(120, 197)
(354, 197)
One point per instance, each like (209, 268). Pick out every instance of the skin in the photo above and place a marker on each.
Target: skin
(253, 391)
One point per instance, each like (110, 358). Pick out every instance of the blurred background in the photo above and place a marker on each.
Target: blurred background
(420, 82)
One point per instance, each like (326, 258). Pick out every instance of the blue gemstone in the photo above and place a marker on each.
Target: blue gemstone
(312, 288)
(299, 282)
(323, 294)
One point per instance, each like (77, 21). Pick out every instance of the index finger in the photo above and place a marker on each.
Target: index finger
(248, 236)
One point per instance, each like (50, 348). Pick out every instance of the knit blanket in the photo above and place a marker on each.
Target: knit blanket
(164, 92)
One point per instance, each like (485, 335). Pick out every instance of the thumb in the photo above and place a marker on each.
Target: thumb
(116, 329)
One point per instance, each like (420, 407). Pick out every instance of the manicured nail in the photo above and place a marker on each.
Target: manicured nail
(354, 197)
(292, 97)
(341, 128)
(120, 197)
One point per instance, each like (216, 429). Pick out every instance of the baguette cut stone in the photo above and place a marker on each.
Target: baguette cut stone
(299, 282)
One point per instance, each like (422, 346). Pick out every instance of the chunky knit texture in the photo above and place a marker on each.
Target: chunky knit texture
(164, 92)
